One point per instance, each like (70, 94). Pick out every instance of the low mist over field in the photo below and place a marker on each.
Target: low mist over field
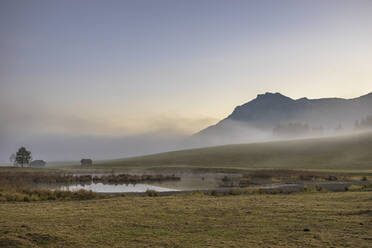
(268, 117)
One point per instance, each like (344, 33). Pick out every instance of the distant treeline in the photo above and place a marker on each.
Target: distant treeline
(296, 130)
(364, 123)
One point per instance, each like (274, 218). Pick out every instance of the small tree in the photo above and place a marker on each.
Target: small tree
(23, 156)
(12, 159)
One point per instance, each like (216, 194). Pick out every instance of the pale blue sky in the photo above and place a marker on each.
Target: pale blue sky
(95, 67)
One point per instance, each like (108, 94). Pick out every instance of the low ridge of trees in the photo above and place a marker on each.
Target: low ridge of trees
(296, 130)
(291, 130)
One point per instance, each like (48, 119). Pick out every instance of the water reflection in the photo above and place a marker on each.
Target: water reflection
(110, 188)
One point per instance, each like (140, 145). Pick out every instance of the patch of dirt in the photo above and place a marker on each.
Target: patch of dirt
(45, 240)
(41, 239)
(7, 242)
(361, 212)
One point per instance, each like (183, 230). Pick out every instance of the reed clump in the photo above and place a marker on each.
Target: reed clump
(26, 195)
(151, 193)
(127, 178)
(365, 187)
(25, 179)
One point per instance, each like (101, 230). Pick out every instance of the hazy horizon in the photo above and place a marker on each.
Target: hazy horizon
(107, 79)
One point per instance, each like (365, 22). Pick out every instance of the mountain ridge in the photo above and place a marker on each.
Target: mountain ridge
(268, 110)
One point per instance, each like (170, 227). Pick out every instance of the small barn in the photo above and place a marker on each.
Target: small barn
(38, 163)
(86, 162)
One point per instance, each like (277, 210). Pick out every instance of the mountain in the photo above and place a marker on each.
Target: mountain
(255, 120)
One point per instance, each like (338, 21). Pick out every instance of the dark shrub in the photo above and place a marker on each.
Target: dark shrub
(151, 193)
(235, 191)
(319, 188)
(214, 193)
(226, 179)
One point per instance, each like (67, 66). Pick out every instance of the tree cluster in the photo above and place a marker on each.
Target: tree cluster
(21, 158)
(364, 123)
(296, 130)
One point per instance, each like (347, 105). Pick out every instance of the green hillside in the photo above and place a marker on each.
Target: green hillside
(348, 152)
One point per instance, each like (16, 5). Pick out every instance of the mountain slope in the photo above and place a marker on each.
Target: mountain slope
(349, 152)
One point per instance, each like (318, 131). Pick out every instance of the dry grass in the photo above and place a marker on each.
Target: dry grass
(297, 220)
(22, 178)
(26, 195)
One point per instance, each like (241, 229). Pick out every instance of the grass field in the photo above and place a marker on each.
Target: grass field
(296, 220)
(195, 220)
(349, 152)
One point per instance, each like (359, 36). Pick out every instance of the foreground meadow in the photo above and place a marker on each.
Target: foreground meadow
(192, 220)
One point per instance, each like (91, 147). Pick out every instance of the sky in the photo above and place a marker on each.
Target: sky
(118, 78)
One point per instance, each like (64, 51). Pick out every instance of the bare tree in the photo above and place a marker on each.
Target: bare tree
(12, 159)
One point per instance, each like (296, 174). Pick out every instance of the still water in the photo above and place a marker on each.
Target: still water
(188, 181)
(111, 188)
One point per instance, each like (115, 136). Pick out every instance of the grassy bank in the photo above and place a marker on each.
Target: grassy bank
(181, 179)
(298, 220)
(27, 195)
